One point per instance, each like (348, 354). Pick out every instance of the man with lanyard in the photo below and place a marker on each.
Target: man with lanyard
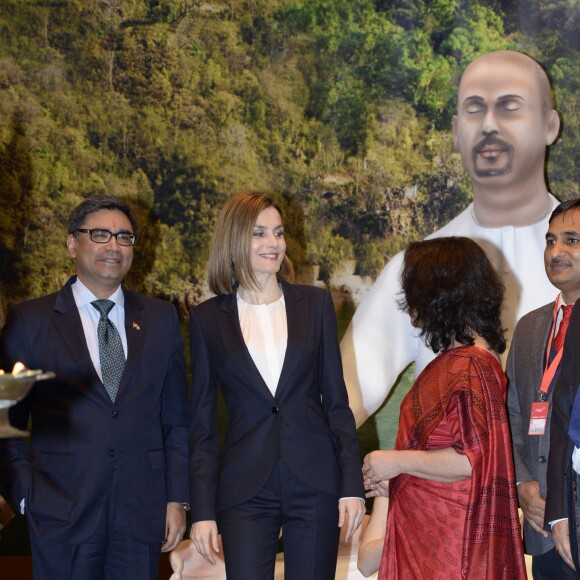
(562, 499)
(533, 366)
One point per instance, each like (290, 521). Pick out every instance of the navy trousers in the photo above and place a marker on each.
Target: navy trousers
(110, 554)
(550, 566)
(309, 521)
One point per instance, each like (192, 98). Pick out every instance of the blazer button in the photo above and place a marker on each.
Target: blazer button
(111, 453)
(275, 410)
(115, 414)
(542, 459)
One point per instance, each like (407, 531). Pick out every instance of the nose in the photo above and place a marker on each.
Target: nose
(557, 249)
(112, 244)
(273, 240)
(490, 125)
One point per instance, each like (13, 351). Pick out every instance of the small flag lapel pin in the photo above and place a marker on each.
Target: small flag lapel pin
(136, 326)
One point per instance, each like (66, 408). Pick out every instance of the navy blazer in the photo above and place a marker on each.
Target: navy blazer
(308, 421)
(78, 435)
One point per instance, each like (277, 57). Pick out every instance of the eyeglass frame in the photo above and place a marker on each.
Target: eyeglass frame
(133, 237)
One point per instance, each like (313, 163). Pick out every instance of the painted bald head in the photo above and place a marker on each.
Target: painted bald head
(506, 61)
(505, 118)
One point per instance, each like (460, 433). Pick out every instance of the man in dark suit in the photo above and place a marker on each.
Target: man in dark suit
(532, 367)
(103, 481)
(562, 500)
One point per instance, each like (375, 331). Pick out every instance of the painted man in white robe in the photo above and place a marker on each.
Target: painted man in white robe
(505, 121)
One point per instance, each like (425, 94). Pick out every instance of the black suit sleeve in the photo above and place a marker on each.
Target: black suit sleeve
(560, 446)
(335, 404)
(176, 417)
(204, 440)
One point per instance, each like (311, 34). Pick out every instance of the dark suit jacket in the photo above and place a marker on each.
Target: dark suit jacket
(525, 368)
(308, 421)
(78, 435)
(561, 448)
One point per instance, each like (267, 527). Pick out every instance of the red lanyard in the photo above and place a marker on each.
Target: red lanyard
(550, 368)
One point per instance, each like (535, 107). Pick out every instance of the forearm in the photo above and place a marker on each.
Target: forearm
(369, 557)
(373, 538)
(445, 465)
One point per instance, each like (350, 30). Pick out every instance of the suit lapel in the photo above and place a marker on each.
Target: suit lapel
(68, 324)
(543, 333)
(136, 330)
(231, 334)
(298, 317)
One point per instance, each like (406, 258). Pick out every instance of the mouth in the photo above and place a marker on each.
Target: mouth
(110, 259)
(491, 148)
(269, 256)
(559, 266)
(492, 157)
(491, 153)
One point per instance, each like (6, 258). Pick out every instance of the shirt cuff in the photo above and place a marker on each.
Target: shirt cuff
(342, 498)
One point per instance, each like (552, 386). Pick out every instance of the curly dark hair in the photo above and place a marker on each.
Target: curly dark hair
(452, 292)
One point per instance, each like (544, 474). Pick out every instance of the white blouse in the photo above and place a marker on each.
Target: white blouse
(265, 332)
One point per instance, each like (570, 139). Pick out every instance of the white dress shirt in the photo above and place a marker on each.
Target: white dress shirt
(265, 332)
(90, 319)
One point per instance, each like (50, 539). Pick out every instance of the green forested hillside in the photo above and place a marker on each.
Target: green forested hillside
(340, 107)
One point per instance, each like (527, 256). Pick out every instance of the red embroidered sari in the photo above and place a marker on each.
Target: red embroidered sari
(467, 529)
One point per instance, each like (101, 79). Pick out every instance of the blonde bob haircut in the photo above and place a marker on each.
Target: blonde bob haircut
(229, 258)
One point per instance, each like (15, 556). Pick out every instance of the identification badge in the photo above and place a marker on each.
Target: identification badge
(538, 418)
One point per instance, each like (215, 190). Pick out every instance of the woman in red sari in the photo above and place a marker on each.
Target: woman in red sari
(453, 504)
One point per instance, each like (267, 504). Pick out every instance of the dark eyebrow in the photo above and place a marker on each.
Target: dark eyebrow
(111, 232)
(258, 226)
(473, 99)
(504, 98)
(571, 233)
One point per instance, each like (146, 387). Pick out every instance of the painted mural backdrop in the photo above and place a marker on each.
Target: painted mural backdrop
(342, 108)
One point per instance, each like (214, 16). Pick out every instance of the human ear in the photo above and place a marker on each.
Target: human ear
(552, 127)
(71, 245)
(454, 130)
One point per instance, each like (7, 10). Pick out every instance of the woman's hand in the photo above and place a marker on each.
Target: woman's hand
(205, 537)
(355, 508)
(377, 488)
(380, 465)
